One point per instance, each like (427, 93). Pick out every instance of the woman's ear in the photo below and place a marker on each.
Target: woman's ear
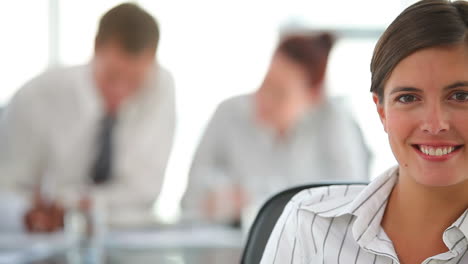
(380, 110)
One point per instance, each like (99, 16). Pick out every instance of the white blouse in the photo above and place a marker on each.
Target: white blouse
(341, 224)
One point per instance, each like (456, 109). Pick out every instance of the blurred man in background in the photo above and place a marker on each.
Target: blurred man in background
(104, 128)
(287, 133)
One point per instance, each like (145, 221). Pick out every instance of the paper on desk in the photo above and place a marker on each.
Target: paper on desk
(205, 237)
(22, 247)
(11, 257)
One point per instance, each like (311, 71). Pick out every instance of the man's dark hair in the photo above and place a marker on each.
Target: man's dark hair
(130, 26)
(310, 51)
(425, 24)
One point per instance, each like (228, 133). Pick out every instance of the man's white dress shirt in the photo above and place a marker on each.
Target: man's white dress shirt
(341, 224)
(236, 150)
(49, 133)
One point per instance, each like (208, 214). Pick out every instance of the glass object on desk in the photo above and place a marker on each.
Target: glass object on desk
(85, 225)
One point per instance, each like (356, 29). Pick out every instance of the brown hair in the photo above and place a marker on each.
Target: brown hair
(310, 52)
(425, 24)
(131, 26)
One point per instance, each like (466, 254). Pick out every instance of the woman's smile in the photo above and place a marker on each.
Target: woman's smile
(437, 151)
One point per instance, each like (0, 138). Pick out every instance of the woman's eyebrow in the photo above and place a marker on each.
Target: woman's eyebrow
(413, 89)
(456, 85)
(405, 89)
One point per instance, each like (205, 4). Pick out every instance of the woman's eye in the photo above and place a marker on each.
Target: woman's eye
(407, 98)
(460, 96)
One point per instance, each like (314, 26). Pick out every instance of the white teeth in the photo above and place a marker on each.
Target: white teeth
(431, 151)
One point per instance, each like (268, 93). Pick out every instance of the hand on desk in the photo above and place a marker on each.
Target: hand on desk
(47, 216)
(226, 202)
(44, 216)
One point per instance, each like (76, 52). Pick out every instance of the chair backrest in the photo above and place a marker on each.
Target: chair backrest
(266, 219)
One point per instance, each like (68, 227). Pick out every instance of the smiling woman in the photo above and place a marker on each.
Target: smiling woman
(416, 212)
(425, 113)
(427, 123)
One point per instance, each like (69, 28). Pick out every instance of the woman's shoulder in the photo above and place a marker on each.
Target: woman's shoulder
(236, 102)
(236, 107)
(327, 200)
(339, 199)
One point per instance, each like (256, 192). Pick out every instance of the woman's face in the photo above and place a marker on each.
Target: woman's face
(425, 114)
(284, 94)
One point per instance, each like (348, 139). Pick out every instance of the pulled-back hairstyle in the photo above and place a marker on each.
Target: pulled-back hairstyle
(310, 52)
(130, 26)
(425, 24)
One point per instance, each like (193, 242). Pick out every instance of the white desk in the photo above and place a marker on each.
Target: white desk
(183, 245)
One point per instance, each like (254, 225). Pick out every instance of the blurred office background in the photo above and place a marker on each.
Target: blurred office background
(215, 49)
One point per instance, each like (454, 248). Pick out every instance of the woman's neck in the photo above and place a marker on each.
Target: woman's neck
(418, 202)
(418, 215)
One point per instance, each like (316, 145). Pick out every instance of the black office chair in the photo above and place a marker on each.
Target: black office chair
(266, 219)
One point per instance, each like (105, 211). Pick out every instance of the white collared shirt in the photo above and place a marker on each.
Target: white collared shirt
(49, 133)
(236, 150)
(341, 224)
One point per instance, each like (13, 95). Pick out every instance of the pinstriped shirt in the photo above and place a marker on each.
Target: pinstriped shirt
(341, 224)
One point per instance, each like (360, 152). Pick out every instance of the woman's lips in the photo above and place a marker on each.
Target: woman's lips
(437, 152)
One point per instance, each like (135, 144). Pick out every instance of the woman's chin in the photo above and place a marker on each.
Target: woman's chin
(438, 179)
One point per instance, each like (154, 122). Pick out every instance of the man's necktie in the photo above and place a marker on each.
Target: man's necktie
(102, 170)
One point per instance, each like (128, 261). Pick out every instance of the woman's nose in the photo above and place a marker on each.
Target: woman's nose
(435, 120)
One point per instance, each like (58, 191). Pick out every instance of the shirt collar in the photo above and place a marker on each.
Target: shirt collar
(368, 208)
(367, 200)
(368, 205)
(455, 236)
(462, 223)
